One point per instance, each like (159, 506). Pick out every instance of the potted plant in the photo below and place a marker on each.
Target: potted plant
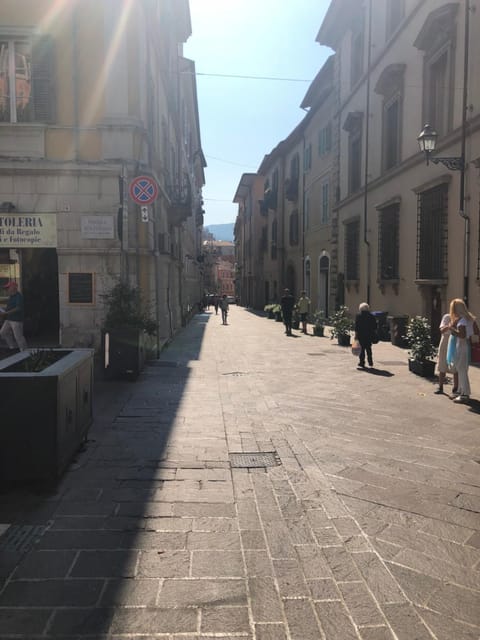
(125, 333)
(341, 325)
(422, 350)
(277, 312)
(48, 412)
(269, 309)
(319, 321)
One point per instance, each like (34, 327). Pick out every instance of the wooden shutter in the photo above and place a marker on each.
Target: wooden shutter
(43, 77)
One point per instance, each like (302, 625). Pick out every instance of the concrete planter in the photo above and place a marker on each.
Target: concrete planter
(318, 331)
(343, 339)
(45, 415)
(424, 368)
(123, 353)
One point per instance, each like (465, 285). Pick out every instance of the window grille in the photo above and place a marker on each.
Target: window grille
(352, 250)
(432, 234)
(388, 243)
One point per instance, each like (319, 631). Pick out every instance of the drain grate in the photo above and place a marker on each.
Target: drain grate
(254, 460)
(21, 537)
(234, 373)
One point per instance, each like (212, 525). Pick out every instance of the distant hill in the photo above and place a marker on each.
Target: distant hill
(221, 231)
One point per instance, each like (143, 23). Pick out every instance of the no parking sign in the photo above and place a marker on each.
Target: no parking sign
(143, 190)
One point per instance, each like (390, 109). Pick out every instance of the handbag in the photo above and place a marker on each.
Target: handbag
(356, 348)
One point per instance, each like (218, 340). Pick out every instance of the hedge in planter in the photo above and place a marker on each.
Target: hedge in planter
(125, 334)
(341, 326)
(422, 351)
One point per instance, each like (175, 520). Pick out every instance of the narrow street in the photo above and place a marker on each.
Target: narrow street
(361, 522)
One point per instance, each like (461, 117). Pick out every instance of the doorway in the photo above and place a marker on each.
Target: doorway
(39, 269)
(323, 288)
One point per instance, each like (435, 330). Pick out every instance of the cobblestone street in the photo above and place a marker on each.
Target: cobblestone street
(364, 526)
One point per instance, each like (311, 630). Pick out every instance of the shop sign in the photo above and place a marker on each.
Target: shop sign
(19, 231)
(98, 227)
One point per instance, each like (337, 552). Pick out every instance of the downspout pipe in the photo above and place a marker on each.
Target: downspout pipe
(466, 266)
(367, 137)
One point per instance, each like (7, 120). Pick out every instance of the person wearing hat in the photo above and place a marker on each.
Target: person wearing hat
(12, 315)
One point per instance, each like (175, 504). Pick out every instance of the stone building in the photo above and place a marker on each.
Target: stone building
(94, 94)
(377, 223)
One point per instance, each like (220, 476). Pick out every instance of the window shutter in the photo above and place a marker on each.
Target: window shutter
(43, 80)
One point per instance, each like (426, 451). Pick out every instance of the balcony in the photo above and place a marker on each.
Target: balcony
(180, 202)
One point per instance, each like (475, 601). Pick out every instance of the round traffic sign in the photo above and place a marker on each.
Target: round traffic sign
(143, 190)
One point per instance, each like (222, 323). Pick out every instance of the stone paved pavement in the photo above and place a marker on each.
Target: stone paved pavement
(367, 529)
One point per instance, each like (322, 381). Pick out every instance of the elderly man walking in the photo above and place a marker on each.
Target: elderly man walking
(12, 315)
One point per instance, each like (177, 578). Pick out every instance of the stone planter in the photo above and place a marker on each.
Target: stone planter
(46, 417)
(123, 353)
(425, 368)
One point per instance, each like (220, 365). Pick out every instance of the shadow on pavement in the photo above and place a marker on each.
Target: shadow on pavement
(377, 372)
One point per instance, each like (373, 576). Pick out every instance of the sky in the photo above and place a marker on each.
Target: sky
(243, 119)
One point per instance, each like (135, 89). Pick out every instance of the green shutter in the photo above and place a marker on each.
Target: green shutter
(43, 80)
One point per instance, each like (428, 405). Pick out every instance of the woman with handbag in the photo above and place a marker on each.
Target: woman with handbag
(365, 333)
(461, 329)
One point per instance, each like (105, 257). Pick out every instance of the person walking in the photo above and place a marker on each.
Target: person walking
(442, 364)
(287, 302)
(215, 304)
(224, 308)
(461, 328)
(12, 315)
(365, 331)
(303, 306)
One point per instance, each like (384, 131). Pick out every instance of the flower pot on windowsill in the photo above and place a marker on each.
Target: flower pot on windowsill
(424, 368)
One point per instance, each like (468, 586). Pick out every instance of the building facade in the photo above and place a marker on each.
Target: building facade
(376, 223)
(94, 95)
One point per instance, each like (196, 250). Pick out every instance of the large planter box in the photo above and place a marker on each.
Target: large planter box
(343, 340)
(425, 368)
(45, 415)
(123, 353)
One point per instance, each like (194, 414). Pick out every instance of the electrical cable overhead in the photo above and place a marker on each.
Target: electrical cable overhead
(237, 164)
(231, 75)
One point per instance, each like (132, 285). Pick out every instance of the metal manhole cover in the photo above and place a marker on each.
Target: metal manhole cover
(21, 537)
(254, 460)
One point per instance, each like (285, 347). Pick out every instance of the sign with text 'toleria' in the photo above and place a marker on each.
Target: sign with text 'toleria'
(28, 230)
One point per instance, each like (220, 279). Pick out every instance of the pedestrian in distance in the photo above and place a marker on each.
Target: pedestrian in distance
(287, 302)
(224, 308)
(13, 315)
(215, 304)
(458, 353)
(303, 306)
(442, 364)
(365, 333)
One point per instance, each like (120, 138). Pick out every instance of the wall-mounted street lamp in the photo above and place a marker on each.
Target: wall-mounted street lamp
(427, 141)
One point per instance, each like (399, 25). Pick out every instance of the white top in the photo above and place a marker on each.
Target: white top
(445, 321)
(468, 324)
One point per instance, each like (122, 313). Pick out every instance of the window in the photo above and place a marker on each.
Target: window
(306, 215)
(432, 234)
(325, 140)
(390, 86)
(325, 203)
(352, 250)
(353, 124)
(291, 191)
(26, 80)
(273, 248)
(388, 243)
(357, 49)
(436, 40)
(293, 227)
(395, 15)
(307, 158)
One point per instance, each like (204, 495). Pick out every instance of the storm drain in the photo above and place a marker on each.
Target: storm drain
(254, 460)
(21, 538)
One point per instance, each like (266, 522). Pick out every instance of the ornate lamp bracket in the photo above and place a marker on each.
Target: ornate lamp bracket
(453, 164)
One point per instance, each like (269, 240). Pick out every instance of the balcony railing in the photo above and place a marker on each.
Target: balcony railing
(180, 202)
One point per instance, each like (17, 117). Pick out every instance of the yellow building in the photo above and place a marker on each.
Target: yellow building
(95, 94)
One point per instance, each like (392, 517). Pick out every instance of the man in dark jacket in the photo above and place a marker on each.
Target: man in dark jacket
(287, 303)
(365, 333)
(12, 315)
